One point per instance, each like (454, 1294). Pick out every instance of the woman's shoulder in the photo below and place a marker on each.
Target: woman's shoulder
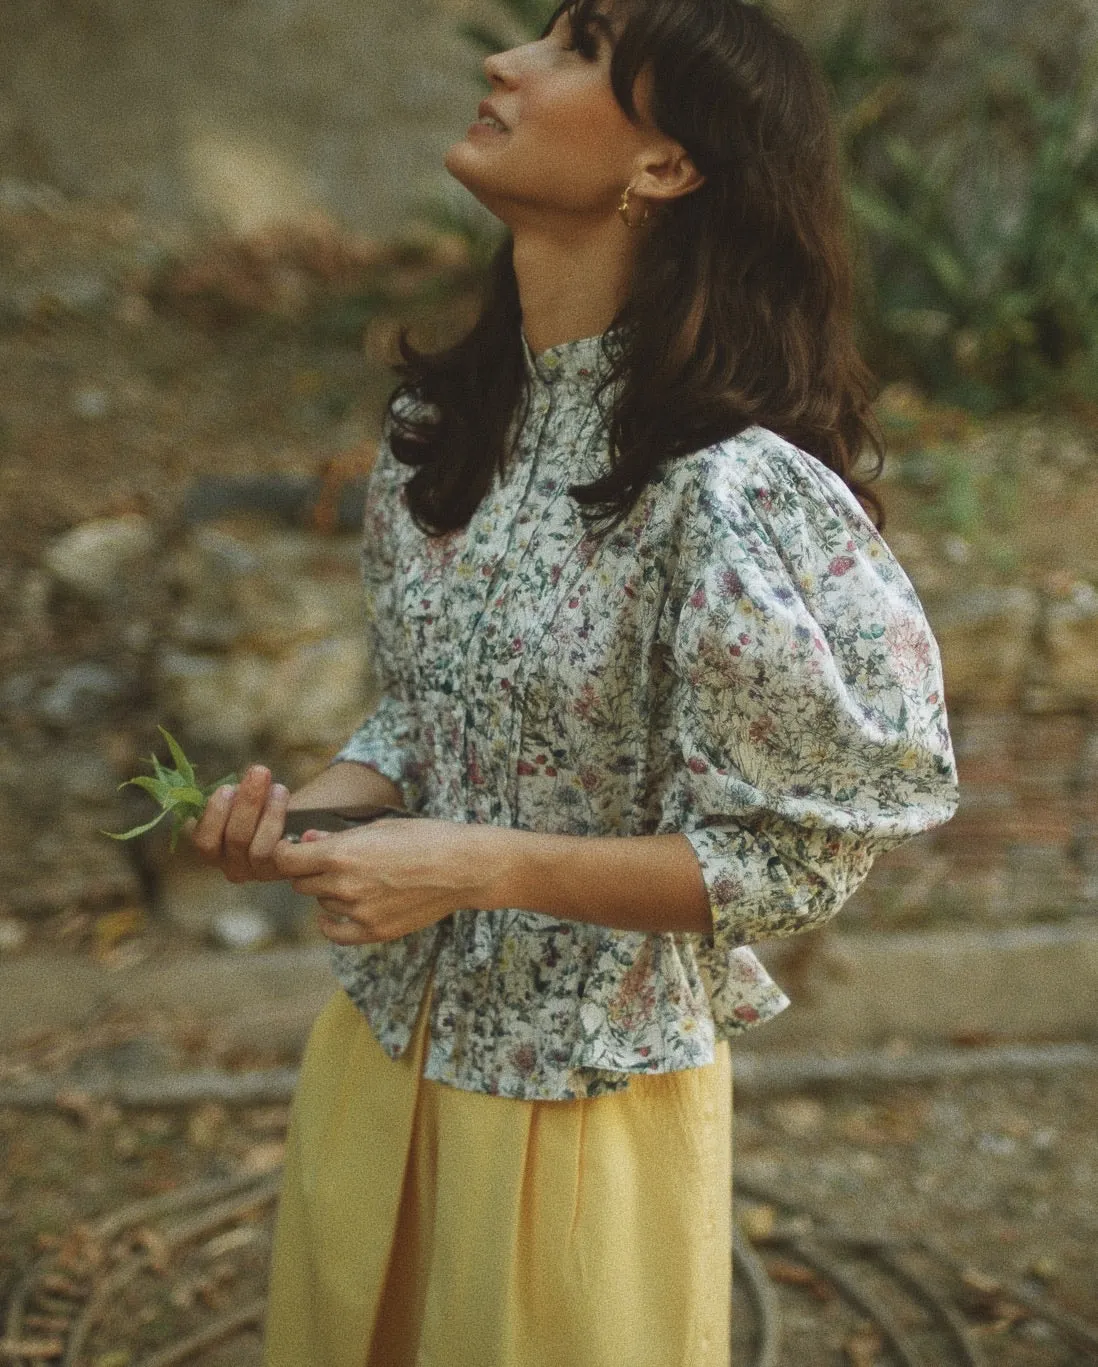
(764, 475)
(758, 497)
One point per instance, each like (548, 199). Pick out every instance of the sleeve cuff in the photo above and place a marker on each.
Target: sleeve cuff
(759, 892)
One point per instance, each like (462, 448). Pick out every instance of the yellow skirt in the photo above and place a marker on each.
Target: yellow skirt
(420, 1225)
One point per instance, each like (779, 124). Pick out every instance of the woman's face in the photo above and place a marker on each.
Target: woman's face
(568, 149)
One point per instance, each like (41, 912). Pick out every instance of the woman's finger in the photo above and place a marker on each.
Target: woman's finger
(240, 829)
(269, 832)
(209, 831)
(341, 929)
(320, 885)
(334, 909)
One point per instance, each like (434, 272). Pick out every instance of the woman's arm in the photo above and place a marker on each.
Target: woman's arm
(641, 882)
(346, 784)
(385, 880)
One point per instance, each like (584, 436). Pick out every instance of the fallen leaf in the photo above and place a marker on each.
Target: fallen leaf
(79, 1251)
(46, 1324)
(90, 1112)
(228, 1242)
(113, 926)
(796, 1274)
(979, 1281)
(264, 1157)
(155, 1245)
(31, 1348)
(206, 1123)
(863, 1346)
(758, 1222)
(63, 1286)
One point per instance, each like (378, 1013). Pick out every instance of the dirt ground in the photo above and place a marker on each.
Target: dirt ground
(1001, 1175)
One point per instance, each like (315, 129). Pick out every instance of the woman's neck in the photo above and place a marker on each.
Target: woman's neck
(574, 288)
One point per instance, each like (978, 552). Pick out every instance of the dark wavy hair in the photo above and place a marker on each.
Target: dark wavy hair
(741, 307)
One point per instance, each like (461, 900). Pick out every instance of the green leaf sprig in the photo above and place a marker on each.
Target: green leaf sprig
(176, 790)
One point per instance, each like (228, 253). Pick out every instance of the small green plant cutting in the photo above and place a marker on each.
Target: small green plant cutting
(176, 790)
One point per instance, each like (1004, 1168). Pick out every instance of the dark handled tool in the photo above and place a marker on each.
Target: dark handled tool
(337, 818)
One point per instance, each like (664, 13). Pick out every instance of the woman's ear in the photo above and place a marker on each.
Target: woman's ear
(667, 173)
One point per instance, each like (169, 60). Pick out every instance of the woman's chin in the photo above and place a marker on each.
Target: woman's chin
(467, 173)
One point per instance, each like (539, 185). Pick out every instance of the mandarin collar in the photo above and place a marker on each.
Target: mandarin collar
(583, 362)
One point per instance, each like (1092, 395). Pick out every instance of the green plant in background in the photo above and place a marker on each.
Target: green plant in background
(987, 291)
(523, 18)
(176, 790)
(963, 492)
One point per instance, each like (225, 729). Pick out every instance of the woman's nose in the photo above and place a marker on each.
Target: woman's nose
(502, 68)
(493, 69)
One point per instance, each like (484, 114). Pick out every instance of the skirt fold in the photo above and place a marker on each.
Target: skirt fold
(424, 1226)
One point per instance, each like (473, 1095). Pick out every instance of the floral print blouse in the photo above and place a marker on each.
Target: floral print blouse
(742, 661)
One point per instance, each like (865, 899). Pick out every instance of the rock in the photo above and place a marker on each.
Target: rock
(66, 870)
(241, 702)
(17, 691)
(318, 695)
(91, 404)
(82, 693)
(241, 928)
(985, 636)
(23, 197)
(55, 802)
(1064, 672)
(13, 934)
(219, 700)
(88, 778)
(201, 902)
(193, 898)
(264, 591)
(291, 499)
(98, 558)
(288, 913)
(265, 647)
(798, 1116)
(127, 1059)
(276, 612)
(33, 606)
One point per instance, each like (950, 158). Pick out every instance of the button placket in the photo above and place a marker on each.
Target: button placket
(538, 614)
(482, 654)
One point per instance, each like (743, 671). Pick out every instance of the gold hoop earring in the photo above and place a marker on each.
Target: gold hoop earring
(623, 209)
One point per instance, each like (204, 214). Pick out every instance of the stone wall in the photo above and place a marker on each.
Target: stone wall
(235, 112)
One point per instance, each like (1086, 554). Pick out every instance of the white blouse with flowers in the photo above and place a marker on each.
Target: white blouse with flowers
(742, 661)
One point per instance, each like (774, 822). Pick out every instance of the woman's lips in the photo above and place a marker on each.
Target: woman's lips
(487, 110)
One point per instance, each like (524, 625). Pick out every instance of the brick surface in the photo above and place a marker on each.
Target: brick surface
(1024, 842)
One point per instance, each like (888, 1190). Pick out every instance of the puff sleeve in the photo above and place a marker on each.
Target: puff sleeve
(388, 739)
(807, 695)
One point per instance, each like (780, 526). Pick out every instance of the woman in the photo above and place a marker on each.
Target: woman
(656, 686)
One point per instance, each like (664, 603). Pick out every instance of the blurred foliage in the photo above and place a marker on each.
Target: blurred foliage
(982, 241)
(978, 238)
(518, 17)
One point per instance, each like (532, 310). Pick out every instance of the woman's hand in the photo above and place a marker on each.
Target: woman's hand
(241, 827)
(385, 880)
